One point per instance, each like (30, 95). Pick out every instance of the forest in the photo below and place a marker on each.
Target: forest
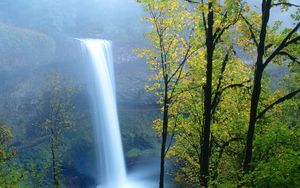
(149, 93)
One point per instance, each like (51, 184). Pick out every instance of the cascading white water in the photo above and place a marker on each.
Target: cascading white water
(111, 165)
(110, 158)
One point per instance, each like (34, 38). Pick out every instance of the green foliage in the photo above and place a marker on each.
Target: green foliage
(143, 142)
(277, 150)
(174, 43)
(228, 128)
(11, 173)
(5, 138)
(176, 32)
(171, 42)
(58, 101)
(275, 159)
(5, 135)
(56, 117)
(135, 153)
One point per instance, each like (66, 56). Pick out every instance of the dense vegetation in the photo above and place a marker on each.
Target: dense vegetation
(219, 111)
(221, 107)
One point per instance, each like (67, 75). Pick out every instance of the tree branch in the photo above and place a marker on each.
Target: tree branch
(235, 85)
(250, 27)
(204, 18)
(192, 1)
(286, 4)
(186, 56)
(172, 136)
(220, 35)
(293, 58)
(283, 44)
(219, 93)
(280, 100)
(224, 63)
(219, 32)
(293, 41)
(222, 22)
(176, 82)
(268, 46)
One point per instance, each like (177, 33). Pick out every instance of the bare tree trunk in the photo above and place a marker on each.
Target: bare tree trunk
(164, 136)
(205, 140)
(54, 165)
(253, 111)
(259, 68)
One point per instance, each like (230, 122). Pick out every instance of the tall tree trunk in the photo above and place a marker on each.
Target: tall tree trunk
(164, 136)
(259, 69)
(54, 165)
(204, 163)
(253, 111)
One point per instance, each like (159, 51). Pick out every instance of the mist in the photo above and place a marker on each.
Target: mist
(81, 105)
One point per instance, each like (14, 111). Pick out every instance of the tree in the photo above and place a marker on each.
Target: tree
(276, 150)
(5, 138)
(10, 174)
(56, 117)
(276, 153)
(228, 122)
(217, 19)
(171, 38)
(269, 48)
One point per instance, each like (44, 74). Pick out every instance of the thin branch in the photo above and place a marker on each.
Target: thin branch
(176, 83)
(192, 1)
(293, 58)
(180, 65)
(172, 136)
(219, 32)
(250, 27)
(235, 85)
(216, 40)
(293, 41)
(219, 94)
(222, 22)
(197, 114)
(204, 18)
(285, 4)
(180, 69)
(185, 90)
(161, 43)
(268, 46)
(226, 144)
(224, 63)
(185, 58)
(280, 100)
(186, 137)
(170, 44)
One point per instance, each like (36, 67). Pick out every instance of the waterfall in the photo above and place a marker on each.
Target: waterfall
(111, 165)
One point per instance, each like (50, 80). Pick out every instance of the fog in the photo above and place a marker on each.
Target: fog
(37, 38)
(40, 54)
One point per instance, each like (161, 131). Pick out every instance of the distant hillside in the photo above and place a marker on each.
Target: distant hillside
(23, 48)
